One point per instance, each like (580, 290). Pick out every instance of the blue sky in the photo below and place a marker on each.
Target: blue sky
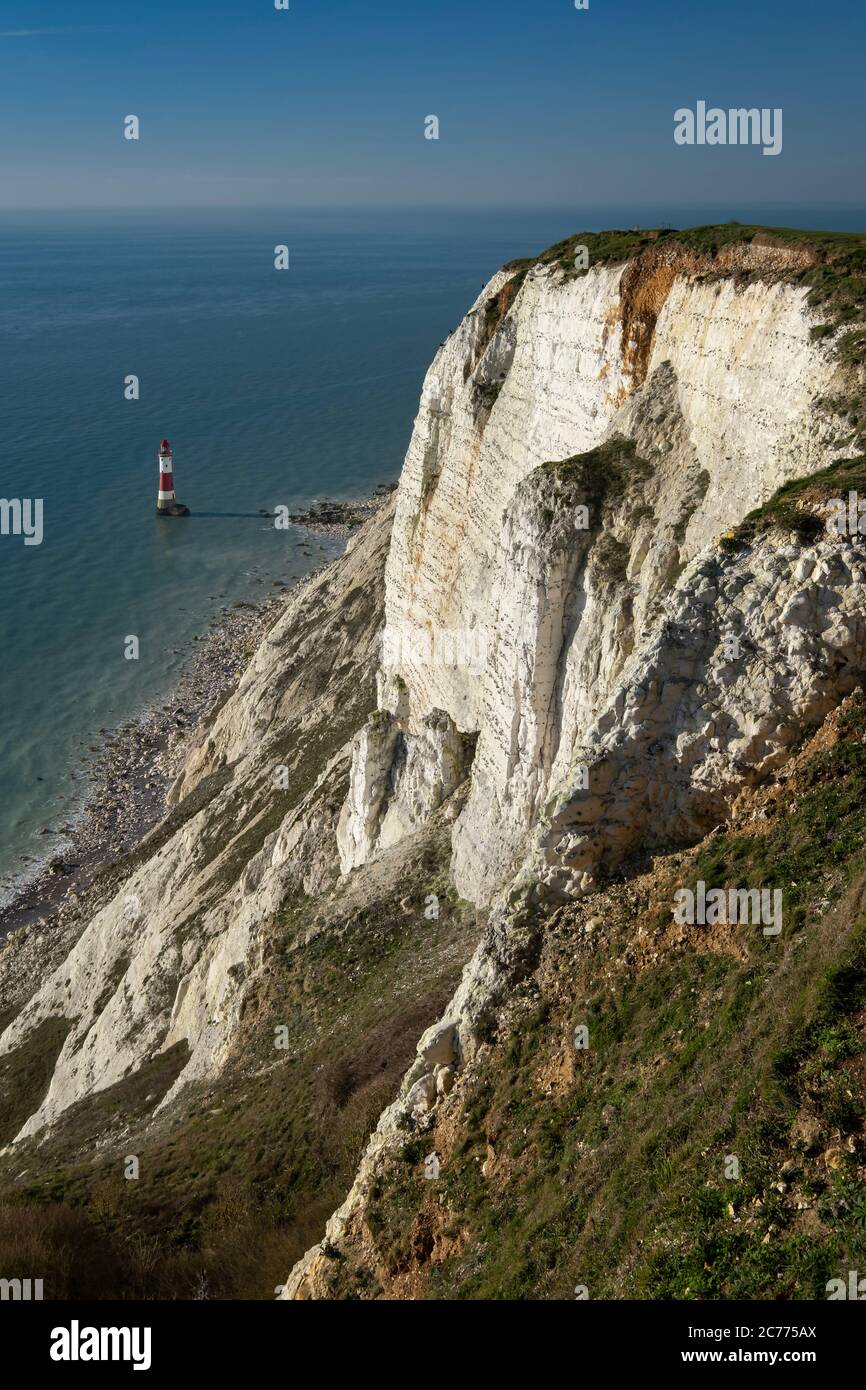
(324, 104)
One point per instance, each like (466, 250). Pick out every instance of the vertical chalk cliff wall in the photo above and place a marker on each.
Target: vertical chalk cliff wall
(505, 618)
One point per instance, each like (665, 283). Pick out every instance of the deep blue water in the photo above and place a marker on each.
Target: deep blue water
(273, 387)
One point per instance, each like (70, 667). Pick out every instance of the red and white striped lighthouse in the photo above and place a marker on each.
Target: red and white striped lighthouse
(165, 502)
(166, 478)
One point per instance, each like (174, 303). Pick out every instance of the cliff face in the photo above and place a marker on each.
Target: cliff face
(504, 615)
(570, 643)
(569, 582)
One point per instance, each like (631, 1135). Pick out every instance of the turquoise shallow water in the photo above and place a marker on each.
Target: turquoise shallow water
(273, 387)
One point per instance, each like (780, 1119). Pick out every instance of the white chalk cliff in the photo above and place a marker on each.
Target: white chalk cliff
(636, 675)
(550, 625)
(525, 630)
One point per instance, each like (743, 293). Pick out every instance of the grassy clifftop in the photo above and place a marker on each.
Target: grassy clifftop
(831, 266)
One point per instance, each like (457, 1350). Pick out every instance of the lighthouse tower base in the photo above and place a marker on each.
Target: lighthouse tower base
(171, 509)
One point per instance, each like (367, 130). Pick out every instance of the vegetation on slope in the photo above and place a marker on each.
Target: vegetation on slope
(600, 475)
(798, 507)
(609, 1169)
(237, 1180)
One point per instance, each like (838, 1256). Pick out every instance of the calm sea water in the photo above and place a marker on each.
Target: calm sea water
(273, 388)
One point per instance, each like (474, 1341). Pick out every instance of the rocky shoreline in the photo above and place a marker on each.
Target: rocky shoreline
(340, 519)
(130, 777)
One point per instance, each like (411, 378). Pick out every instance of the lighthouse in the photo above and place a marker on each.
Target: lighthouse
(165, 503)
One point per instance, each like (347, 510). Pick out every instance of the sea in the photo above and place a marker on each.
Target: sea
(274, 387)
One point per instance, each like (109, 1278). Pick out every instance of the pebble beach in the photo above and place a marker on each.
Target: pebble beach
(129, 778)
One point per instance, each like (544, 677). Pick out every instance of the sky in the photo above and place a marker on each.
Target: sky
(324, 104)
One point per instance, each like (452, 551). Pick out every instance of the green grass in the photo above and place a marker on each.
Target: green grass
(697, 1057)
(25, 1074)
(238, 1178)
(791, 508)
